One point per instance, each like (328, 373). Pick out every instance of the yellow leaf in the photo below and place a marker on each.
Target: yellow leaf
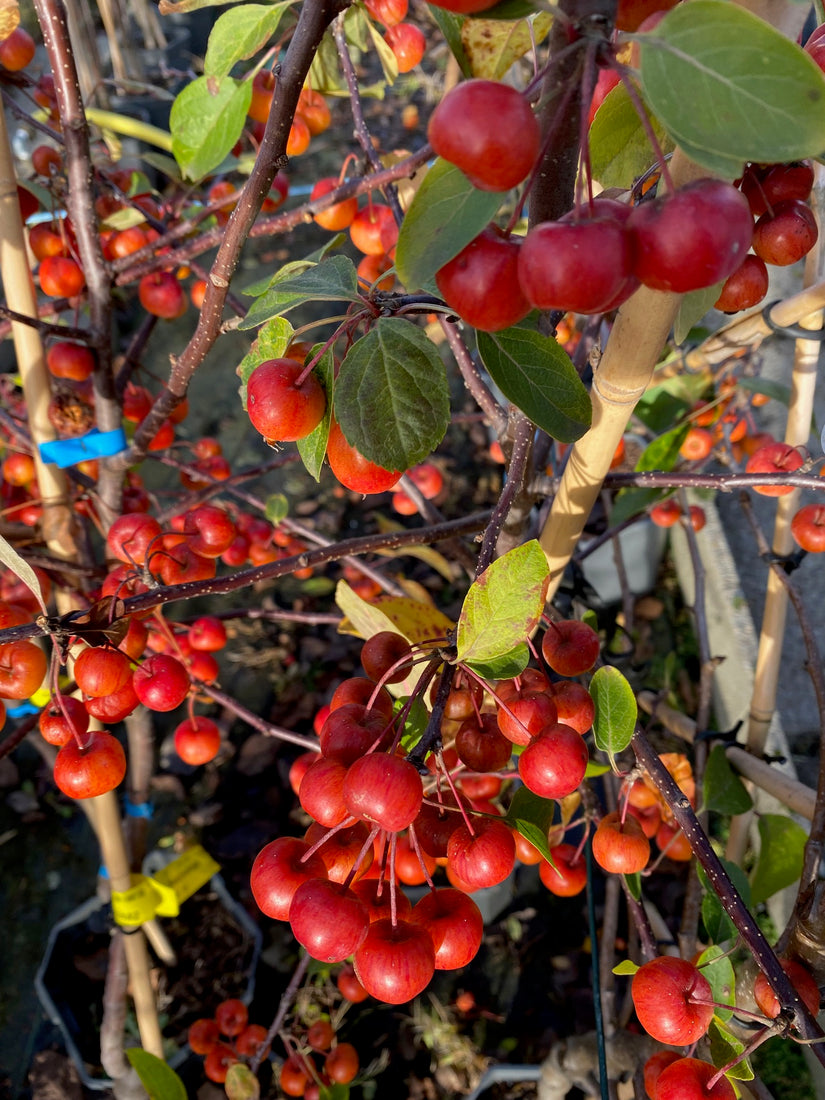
(493, 45)
(568, 806)
(9, 17)
(416, 621)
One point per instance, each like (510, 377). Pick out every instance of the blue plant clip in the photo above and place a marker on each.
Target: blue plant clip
(21, 710)
(94, 444)
(138, 809)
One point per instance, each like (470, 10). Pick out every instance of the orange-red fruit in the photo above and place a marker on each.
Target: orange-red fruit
(17, 50)
(352, 469)
(665, 993)
(407, 44)
(802, 981)
(61, 277)
(808, 528)
(489, 131)
(620, 847)
(481, 282)
(334, 217)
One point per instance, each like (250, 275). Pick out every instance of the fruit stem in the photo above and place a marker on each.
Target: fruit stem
(417, 850)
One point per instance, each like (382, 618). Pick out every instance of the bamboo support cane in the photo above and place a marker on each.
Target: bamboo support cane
(793, 794)
(58, 530)
(797, 433)
(636, 341)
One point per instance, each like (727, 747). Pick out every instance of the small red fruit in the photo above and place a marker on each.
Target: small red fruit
(786, 233)
(61, 277)
(93, 769)
(408, 43)
(687, 1079)
(279, 407)
(335, 217)
(774, 458)
(489, 131)
(801, 979)
(570, 647)
(569, 876)
(197, 741)
(161, 294)
(161, 682)
(17, 50)
(231, 1017)
(808, 528)
(203, 1035)
(481, 283)
(666, 994)
(620, 847)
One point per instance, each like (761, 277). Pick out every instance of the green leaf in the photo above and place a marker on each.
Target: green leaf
(334, 280)
(692, 308)
(724, 1047)
(616, 710)
(276, 508)
(334, 1092)
(718, 924)
(593, 769)
(324, 72)
(717, 969)
(161, 1082)
(271, 343)
(313, 447)
(662, 453)
(241, 1083)
(206, 120)
(724, 792)
(659, 409)
(537, 374)
(630, 502)
(445, 215)
(504, 667)
(389, 63)
(781, 849)
(777, 390)
(391, 395)
(415, 723)
(503, 605)
(627, 968)
(450, 26)
(509, 9)
(21, 569)
(729, 88)
(532, 816)
(619, 148)
(634, 885)
(239, 34)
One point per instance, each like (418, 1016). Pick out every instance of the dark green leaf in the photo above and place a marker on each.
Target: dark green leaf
(717, 969)
(450, 26)
(619, 148)
(724, 792)
(161, 1082)
(536, 374)
(532, 816)
(730, 88)
(718, 924)
(659, 410)
(616, 710)
(271, 343)
(445, 215)
(724, 1047)
(334, 280)
(504, 605)
(631, 502)
(663, 452)
(505, 666)
(781, 849)
(206, 120)
(391, 395)
(692, 308)
(239, 34)
(313, 447)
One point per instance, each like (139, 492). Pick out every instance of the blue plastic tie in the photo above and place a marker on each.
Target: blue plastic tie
(94, 444)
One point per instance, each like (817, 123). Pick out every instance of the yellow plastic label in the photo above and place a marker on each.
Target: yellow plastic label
(182, 877)
(40, 697)
(137, 904)
(162, 895)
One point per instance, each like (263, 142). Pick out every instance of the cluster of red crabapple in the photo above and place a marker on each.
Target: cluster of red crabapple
(674, 1004)
(377, 823)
